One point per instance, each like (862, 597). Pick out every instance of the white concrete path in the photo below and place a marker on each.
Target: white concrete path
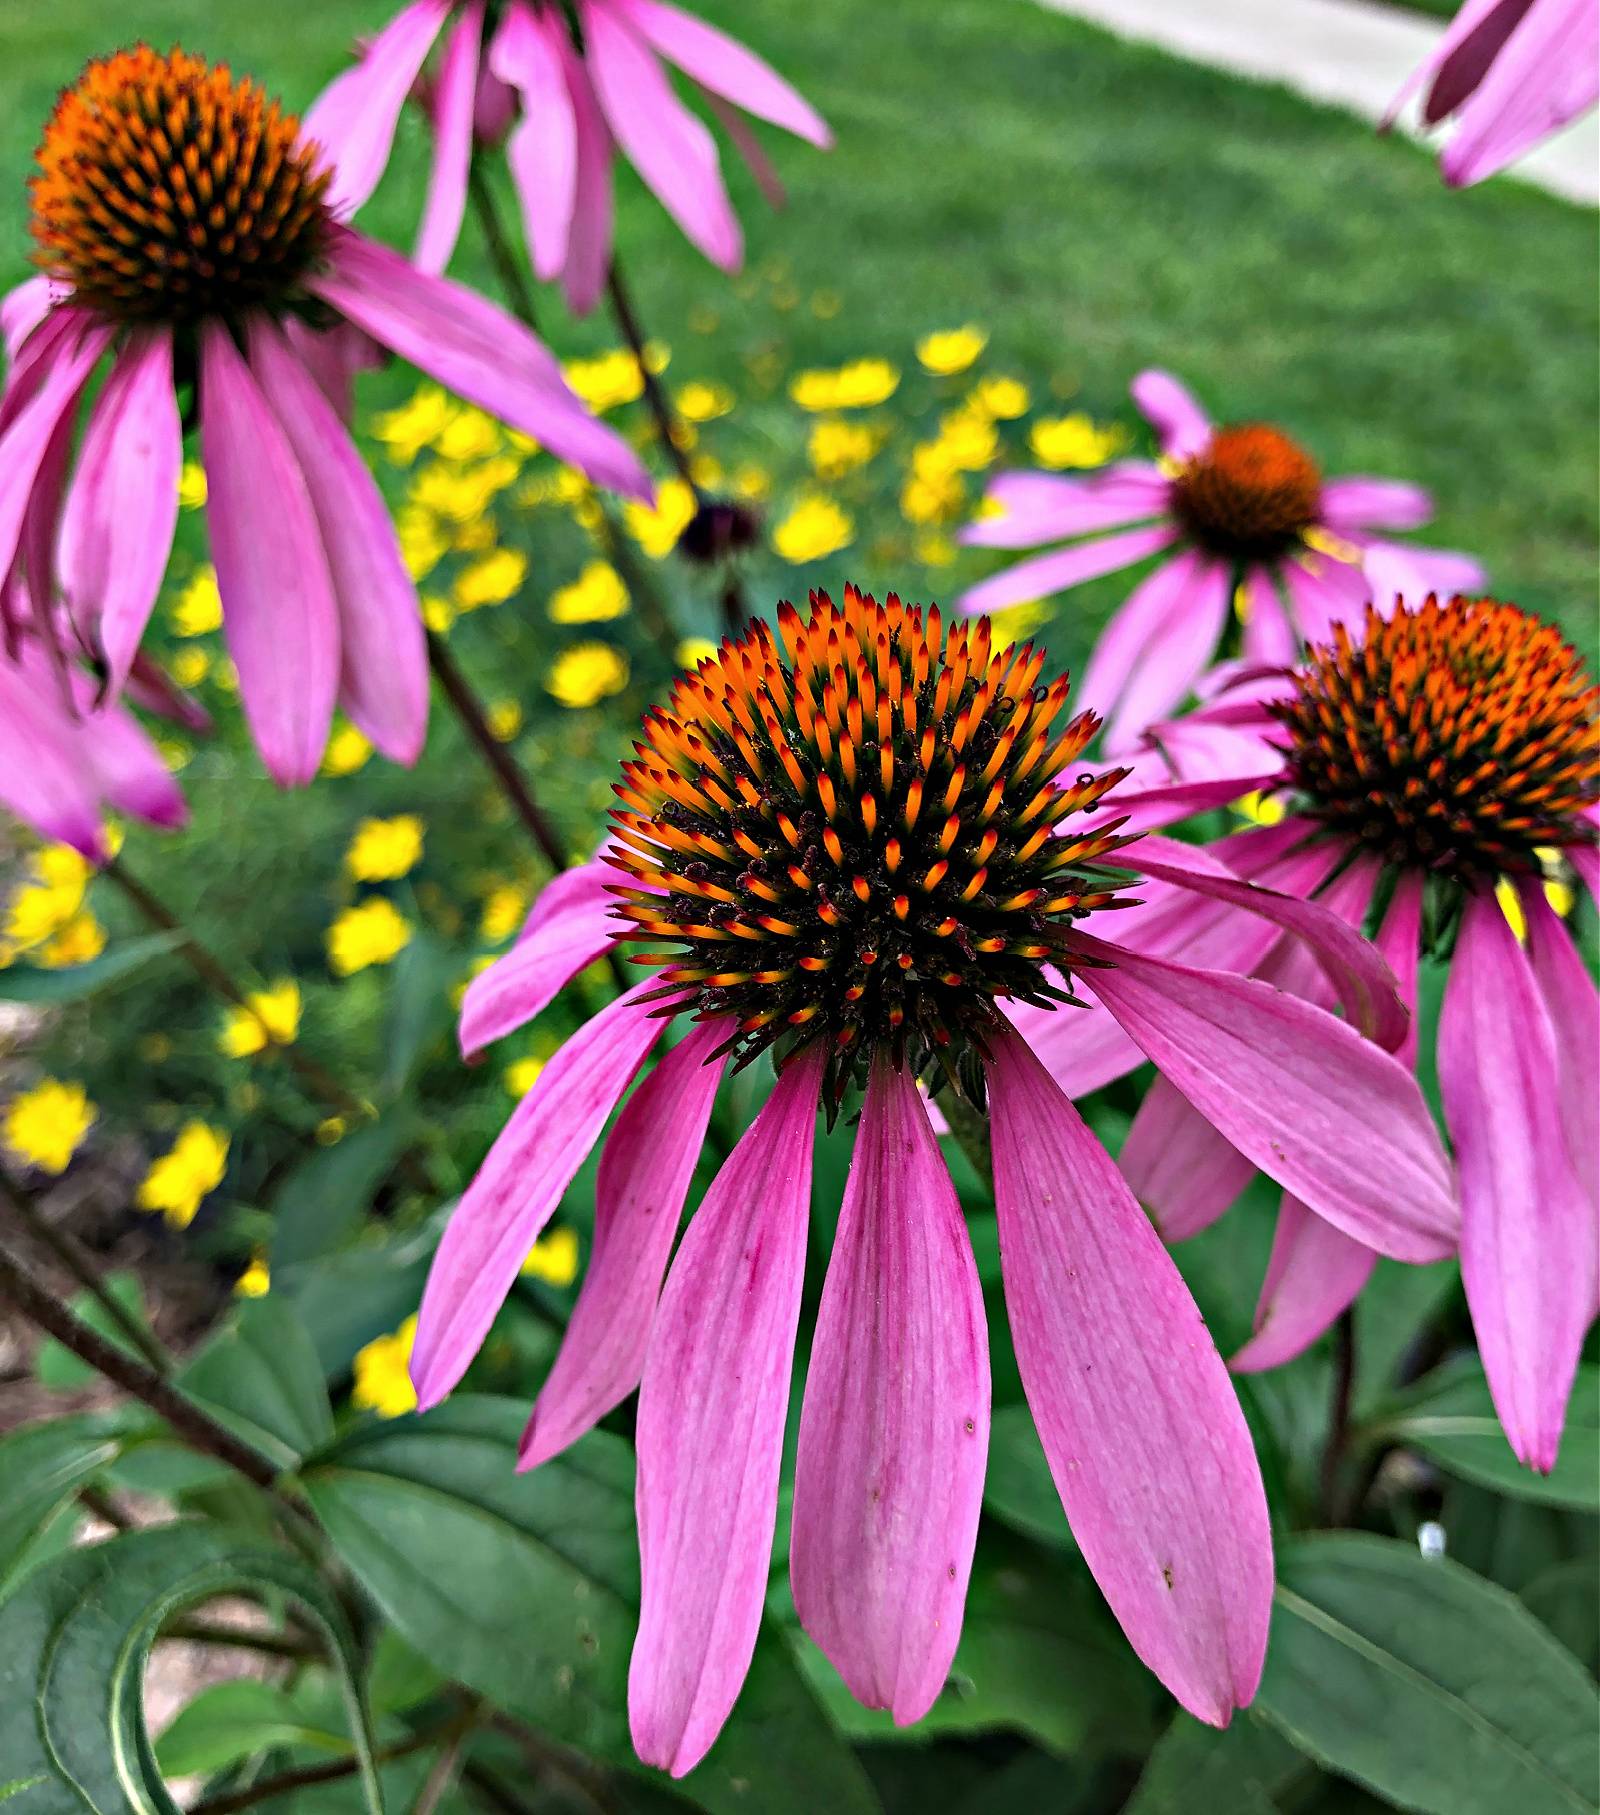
(1350, 53)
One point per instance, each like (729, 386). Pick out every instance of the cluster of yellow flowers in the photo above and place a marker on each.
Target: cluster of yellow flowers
(373, 930)
(48, 920)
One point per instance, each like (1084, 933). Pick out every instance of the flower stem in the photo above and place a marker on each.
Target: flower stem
(448, 1733)
(652, 609)
(513, 783)
(209, 968)
(69, 1252)
(971, 1132)
(501, 256)
(1336, 1445)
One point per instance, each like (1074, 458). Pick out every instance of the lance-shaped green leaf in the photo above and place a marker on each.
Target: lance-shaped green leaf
(260, 1374)
(41, 1467)
(25, 983)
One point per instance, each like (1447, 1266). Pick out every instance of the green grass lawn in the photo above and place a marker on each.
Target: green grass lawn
(1100, 207)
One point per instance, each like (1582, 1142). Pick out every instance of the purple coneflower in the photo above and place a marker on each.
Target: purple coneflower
(1431, 771)
(184, 229)
(565, 109)
(849, 837)
(1239, 511)
(1510, 72)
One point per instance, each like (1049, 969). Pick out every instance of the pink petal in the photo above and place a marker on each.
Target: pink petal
(668, 146)
(1527, 1225)
(476, 350)
(43, 778)
(711, 1415)
(1145, 1439)
(1040, 507)
(1148, 808)
(1470, 41)
(543, 149)
(279, 610)
(383, 657)
(334, 356)
(1055, 572)
(1329, 1115)
(1399, 940)
(117, 528)
(645, 1171)
(1269, 637)
(519, 1184)
(1183, 1172)
(1315, 1272)
(583, 279)
(455, 101)
(572, 924)
(354, 117)
(1182, 427)
(127, 767)
(1361, 503)
(894, 1431)
(1571, 1000)
(1395, 570)
(749, 148)
(1547, 73)
(726, 67)
(23, 309)
(1182, 641)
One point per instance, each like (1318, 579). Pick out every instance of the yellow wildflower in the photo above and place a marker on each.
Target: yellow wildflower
(836, 447)
(1002, 398)
(256, 1280)
(270, 1017)
(383, 850)
(82, 938)
(935, 550)
(1075, 440)
(657, 529)
(587, 673)
(491, 579)
(503, 911)
(192, 485)
(406, 431)
(198, 608)
(468, 435)
(504, 720)
(597, 594)
(46, 1125)
(553, 1258)
(859, 385)
(694, 650)
(180, 1181)
(189, 667)
(422, 542)
(521, 1075)
(1264, 809)
(437, 614)
(372, 932)
(951, 351)
(382, 1383)
(1018, 621)
(752, 482)
(348, 749)
(702, 402)
(817, 526)
(967, 442)
(606, 381)
(929, 499)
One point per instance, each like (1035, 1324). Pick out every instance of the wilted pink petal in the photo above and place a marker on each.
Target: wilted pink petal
(894, 1431)
(1182, 1171)
(712, 1409)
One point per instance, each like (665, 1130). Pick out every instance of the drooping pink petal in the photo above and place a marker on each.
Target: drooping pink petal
(279, 611)
(1397, 570)
(1143, 1432)
(712, 1408)
(1269, 637)
(154, 690)
(334, 356)
(1547, 72)
(1399, 939)
(1182, 1171)
(454, 106)
(122, 509)
(476, 350)
(383, 657)
(128, 769)
(1363, 503)
(1182, 427)
(894, 1431)
(1328, 1115)
(1315, 1272)
(543, 149)
(725, 66)
(1467, 45)
(1042, 507)
(519, 1185)
(1325, 593)
(22, 310)
(1064, 567)
(1180, 646)
(645, 1171)
(672, 150)
(1527, 1235)
(355, 116)
(583, 278)
(749, 147)
(1573, 1005)
(571, 925)
(43, 779)
(1147, 808)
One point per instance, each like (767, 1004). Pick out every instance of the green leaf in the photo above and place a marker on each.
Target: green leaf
(41, 1467)
(1564, 1598)
(59, 1368)
(345, 1300)
(74, 1640)
(25, 983)
(1018, 1488)
(1434, 1688)
(420, 1009)
(321, 1203)
(261, 1376)
(234, 1721)
(1452, 1419)
(1195, 1767)
(526, 1588)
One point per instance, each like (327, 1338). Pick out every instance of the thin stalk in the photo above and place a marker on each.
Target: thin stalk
(640, 582)
(971, 1132)
(211, 971)
(272, 1644)
(307, 1776)
(1337, 1443)
(667, 427)
(104, 1508)
(501, 255)
(69, 1252)
(513, 783)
